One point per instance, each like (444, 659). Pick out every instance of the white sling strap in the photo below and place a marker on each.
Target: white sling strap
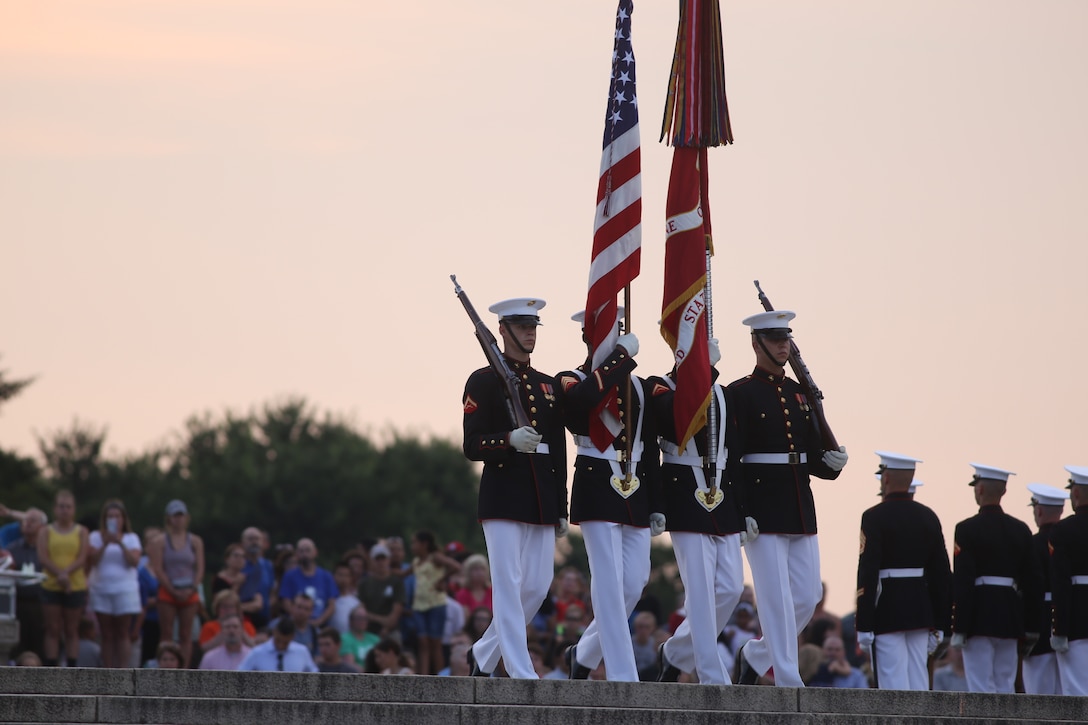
(586, 447)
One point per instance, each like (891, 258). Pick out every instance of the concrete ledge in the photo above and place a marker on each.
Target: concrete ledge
(61, 695)
(48, 709)
(649, 695)
(66, 680)
(943, 704)
(205, 711)
(214, 711)
(298, 686)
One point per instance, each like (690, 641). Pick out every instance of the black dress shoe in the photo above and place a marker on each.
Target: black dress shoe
(575, 671)
(666, 671)
(744, 673)
(474, 668)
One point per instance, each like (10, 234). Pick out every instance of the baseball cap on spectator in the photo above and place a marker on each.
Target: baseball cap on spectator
(455, 547)
(379, 550)
(176, 506)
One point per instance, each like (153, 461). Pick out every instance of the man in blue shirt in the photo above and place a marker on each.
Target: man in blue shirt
(315, 582)
(256, 591)
(279, 654)
(836, 671)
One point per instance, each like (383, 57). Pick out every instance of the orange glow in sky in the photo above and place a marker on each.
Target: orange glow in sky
(209, 205)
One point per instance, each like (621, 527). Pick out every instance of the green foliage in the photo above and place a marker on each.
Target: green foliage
(10, 388)
(72, 457)
(284, 469)
(21, 485)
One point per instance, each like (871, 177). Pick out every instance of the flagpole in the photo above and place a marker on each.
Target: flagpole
(712, 407)
(712, 411)
(629, 419)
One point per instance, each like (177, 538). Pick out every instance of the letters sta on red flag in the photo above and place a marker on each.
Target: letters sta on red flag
(683, 308)
(617, 224)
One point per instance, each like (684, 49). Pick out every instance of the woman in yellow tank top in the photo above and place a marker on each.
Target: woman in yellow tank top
(62, 552)
(432, 568)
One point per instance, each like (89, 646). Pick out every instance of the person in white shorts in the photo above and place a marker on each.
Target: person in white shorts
(114, 589)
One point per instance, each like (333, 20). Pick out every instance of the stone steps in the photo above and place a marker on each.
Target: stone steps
(41, 695)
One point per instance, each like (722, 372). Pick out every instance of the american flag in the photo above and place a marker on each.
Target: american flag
(617, 227)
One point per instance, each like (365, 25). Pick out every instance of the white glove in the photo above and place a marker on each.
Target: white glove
(751, 530)
(1058, 643)
(835, 460)
(866, 639)
(561, 528)
(714, 350)
(629, 343)
(524, 439)
(936, 636)
(957, 640)
(657, 524)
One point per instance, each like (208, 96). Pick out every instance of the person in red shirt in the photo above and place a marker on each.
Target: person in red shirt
(225, 604)
(476, 591)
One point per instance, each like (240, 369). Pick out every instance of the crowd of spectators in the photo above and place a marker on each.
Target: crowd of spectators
(112, 598)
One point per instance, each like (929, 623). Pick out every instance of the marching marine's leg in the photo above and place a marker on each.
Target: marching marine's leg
(611, 637)
(1041, 675)
(1004, 668)
(806, 589)
(694, 647)
(978, 664)
(777, 615)
(891, 661)
(508, 546)
(917, 656)
(1073, 668)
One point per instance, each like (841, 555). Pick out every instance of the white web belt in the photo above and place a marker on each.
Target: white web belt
(690, 456)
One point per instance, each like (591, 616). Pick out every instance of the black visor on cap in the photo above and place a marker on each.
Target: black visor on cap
(522, 320)
(774, 333)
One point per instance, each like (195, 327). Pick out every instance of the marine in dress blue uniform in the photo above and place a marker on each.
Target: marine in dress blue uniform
(1040, 664)
(523, 488)
(1069, 586)
(773, 450)
(707, 525)
(614, 513)
(994, 587)
(903, 579)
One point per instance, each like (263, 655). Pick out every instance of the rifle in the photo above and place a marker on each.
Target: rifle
(494, 356)
(804, 377)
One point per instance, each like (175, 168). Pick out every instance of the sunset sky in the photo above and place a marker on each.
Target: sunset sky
(209, 205)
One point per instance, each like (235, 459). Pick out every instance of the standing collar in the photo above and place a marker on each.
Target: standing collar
(767, 376)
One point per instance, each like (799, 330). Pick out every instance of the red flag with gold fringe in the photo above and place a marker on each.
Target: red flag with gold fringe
(696, 116)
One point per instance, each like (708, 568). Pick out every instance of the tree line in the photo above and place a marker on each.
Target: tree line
(285, 468)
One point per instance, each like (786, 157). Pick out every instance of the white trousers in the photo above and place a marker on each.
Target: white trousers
(901, 660)
(619, 567)
(1041, 675)
(713, 576)
(786, 575)
(1073, 667)
(990, 664)
(522, 560)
